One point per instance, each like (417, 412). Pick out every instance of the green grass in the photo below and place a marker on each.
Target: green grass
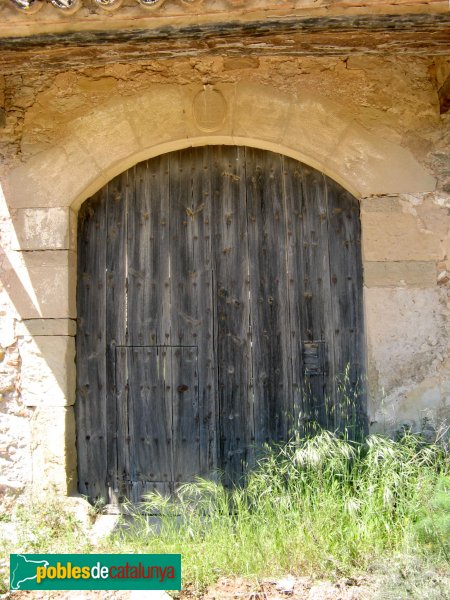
(48, 526)
(322, 506)
(41, 526)
(433, 524)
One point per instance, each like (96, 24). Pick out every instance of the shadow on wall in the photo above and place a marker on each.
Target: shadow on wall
(34, 285)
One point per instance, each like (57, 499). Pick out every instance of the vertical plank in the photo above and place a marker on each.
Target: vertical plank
(149, 415)
(191, 307)
(231, 266)
(186, 448)
(267, 241)
(298, 321)
(347, 308)
(311, 320)
(182, 273)
(148, 254)
(115, 331)
(201, 327)
(91, 408)
(124, 445)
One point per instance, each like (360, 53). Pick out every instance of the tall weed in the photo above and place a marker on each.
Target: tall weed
(322, 506)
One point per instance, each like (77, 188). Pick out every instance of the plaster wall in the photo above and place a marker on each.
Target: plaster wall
(370, 123)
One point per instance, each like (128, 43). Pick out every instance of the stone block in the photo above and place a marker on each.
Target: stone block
(107, 135)
(400, 274)
(47, 327)
(376, 166)
(427, 396)
(80, 509)
(419, 406)
(45, 229)
(208, 110)
(314, 128)
(41, 284)
(53, 450)
(406, 333)
(260, 112)
(53, 178)
(48, 370)
(397, 236)
(158, 116)
(240, 62)
(383, 204)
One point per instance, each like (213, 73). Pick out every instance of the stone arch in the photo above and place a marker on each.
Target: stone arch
(51, 186)
(126, 130)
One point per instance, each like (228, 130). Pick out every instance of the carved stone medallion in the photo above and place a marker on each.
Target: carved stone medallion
(209, 108)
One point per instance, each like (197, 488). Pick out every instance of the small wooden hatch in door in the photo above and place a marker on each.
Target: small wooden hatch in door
(158, 429)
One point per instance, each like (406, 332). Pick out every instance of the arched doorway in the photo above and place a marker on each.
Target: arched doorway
(219, 299)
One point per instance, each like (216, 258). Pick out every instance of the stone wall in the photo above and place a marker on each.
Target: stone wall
(15, 416)
(406, 274)
(371, 123)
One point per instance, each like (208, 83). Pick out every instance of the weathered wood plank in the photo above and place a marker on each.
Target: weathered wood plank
(123, 445)
(309, 291)
(186, 448)
(203, 334)
(191, 312)
(232, 312)
(293, 202)
(115, 331)
(150, 414)
(184, 318)
(148, 254)
(91, 408)
(182, 272)
(269, 307)
(347, 306)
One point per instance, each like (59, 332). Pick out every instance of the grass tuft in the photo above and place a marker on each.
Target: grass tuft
(321, 506)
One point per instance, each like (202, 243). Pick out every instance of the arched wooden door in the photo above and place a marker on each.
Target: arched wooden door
(219, 299)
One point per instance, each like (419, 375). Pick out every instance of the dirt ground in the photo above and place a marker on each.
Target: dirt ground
(432, 586)
(300, 588)
(288, 588)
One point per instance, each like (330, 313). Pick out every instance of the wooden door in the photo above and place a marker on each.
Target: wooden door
(219, 307)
